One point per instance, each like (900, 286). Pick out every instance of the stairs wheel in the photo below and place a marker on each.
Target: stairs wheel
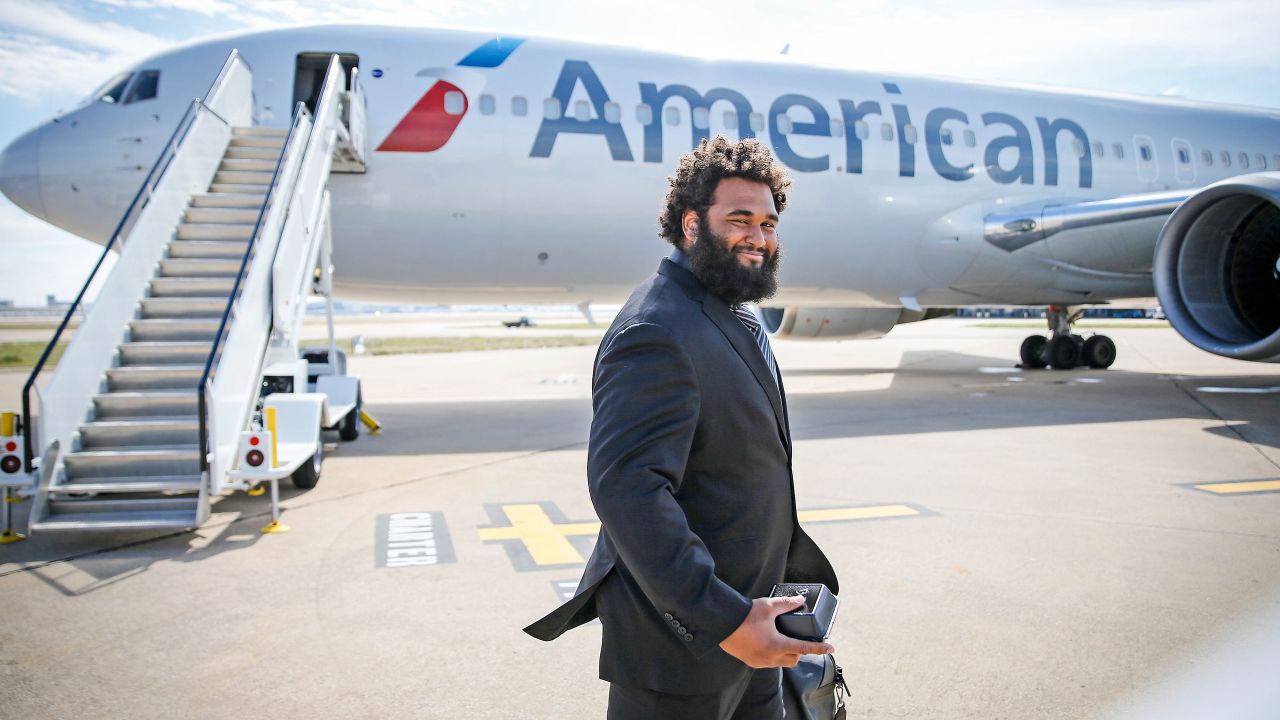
(349, 428)
(308, 473)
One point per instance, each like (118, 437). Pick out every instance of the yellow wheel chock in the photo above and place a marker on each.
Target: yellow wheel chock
(374, 426)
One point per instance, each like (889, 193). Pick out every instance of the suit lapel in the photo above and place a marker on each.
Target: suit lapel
(743, 342)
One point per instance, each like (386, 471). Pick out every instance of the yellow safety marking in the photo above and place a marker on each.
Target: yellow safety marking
(856, 513)
(271, 427)
(545, 540)
(8, 424)
(1249, 486)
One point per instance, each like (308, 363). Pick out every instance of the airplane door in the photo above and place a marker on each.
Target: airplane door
(308, 77)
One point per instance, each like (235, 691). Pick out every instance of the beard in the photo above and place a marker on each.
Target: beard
(717, 267)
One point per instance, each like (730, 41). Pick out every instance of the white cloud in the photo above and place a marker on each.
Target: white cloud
(33, 68)
(41, 259)
(202, 7)
(51, 21)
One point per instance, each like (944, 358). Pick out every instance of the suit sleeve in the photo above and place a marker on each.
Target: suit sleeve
(646, 403)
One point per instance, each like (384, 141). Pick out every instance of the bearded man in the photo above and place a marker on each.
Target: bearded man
(689, 464)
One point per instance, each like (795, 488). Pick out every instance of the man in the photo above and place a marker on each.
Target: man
(689, 464)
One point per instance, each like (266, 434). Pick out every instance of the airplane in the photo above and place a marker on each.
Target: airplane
(530, 169)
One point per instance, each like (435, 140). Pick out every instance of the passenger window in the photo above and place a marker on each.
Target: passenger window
(757, 122)
(886, 131)
(1226, 158)
(672, 115)
(644, 114)
(1098, 148)
(1206, 158)
(519, 106)
(1118, 149)
(1262, 161)
(946, 137)
(145, 86)
(487, 104)
(701, 118)
(113, 89)
(1244, 161)
(862, 129)
(1144, 152)
(1184, 157)
(1275, 161)
(837, 127)
(612, 112)
(454, 102)
(730, 118)
(1077, 147)
(909, 133)
(784, 124)
(970, 139)
(582, 111)
(551, 109)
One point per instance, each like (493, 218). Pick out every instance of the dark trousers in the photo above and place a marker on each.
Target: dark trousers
(757, 697)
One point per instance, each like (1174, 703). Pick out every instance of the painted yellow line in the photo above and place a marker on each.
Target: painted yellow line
(857, 513)
(544, 540)
(1229, 488)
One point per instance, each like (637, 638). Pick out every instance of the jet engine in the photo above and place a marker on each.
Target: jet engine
(1217, 268)
(837, 323)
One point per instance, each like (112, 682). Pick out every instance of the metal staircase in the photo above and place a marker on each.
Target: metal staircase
(128, 430)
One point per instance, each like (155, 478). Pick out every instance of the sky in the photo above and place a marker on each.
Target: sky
(54, 52)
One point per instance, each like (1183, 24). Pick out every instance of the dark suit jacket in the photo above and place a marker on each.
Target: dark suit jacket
(689, 468)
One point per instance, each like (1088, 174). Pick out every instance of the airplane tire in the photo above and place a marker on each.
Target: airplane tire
(1099, 352)
(308, 473)
(1033, 352)
(1063, 352)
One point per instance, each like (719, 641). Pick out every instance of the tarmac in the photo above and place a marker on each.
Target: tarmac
(1010, 544)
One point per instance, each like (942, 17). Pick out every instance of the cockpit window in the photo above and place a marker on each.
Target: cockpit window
(112, 89)
(144, 86)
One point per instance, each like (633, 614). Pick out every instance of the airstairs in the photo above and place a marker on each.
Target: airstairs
(143, 419)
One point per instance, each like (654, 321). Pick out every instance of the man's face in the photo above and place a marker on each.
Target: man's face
(733, 247)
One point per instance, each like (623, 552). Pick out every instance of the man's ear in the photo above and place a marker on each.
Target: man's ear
(689, 223)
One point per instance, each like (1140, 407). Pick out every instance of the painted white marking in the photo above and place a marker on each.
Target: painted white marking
(1241, 390)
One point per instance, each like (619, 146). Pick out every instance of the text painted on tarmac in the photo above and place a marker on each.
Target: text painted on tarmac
(412, 539)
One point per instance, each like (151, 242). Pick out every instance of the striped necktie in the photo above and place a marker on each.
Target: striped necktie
(762, 339)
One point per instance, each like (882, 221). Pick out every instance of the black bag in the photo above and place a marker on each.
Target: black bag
(814, 689)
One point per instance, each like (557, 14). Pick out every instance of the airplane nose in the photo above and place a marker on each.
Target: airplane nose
(20, 172)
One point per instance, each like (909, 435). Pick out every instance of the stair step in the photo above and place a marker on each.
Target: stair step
(163, 353)
(183, 307)
(217, 249)
(259, 131)
(170, 329)
(252, 153)
(222, 215)
(199, 267)
(249, 164)
(120, 514)
(139, 433)
(274, 143)
(145, 403)
(138, 378)
(192, 286)
(215, 231)
(131, 462)
(239, 189)
(242, 177)
(221, 199)
(132, 484)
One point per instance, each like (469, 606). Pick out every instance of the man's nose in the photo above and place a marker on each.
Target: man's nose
(20, 172)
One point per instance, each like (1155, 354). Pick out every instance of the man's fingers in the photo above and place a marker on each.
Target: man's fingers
(800, 647)
(780, 605)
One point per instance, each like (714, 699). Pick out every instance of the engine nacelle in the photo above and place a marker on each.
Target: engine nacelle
(837, 323)
(1217, 268)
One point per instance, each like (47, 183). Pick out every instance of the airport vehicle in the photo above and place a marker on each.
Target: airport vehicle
(185, 379)
(508, 169)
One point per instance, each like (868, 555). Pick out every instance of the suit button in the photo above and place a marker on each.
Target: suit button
(676, 624)
(688, 637)
(667, 617)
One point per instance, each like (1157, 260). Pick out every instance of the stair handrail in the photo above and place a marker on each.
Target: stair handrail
(122, 229)
(300, 115)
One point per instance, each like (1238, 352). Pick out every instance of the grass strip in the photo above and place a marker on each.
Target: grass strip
(24, 354)
(414, 345)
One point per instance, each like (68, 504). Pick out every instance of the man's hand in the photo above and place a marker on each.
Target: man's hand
(758, 643)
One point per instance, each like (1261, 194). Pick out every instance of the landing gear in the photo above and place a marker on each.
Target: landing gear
(1065, 350)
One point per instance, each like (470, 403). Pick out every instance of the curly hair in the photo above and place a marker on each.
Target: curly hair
(699, 172)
